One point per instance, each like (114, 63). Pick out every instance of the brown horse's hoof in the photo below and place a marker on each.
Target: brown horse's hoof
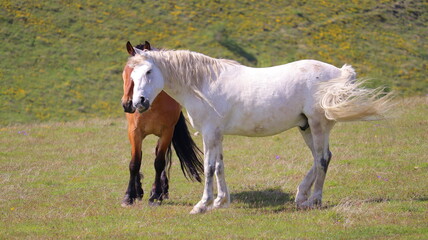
(126, 202)
(156, 199)
(129, 201)
(155, 203)
(165, 196)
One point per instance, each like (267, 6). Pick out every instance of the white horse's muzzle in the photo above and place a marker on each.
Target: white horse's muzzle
(142, 105)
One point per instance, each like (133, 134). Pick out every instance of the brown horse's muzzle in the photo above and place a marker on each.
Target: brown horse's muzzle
(128, 107)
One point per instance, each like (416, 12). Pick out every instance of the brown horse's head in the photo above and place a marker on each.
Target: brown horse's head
(128, 84)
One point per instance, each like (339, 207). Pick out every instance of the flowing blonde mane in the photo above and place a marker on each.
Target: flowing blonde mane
(185, 68)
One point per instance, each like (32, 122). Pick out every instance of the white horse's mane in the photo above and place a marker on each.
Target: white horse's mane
(184, 67)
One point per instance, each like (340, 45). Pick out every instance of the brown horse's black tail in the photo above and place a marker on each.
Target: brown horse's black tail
(188, 153)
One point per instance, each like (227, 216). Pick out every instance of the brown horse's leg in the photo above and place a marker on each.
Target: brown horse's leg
(134, 190)
(160, 186)
(163, 169)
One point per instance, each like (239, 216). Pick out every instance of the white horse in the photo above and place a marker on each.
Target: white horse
(224, 97)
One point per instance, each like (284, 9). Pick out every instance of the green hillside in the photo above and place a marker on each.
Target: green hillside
(62, 60)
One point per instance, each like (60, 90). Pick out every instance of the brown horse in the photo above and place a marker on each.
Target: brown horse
(165, 120)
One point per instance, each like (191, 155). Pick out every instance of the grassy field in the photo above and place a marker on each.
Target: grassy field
(62, 60)
(66, 181)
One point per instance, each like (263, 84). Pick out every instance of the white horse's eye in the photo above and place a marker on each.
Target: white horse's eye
(148, 72)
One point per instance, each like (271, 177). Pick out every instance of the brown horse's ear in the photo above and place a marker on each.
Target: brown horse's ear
(130, 49)
(147, 46)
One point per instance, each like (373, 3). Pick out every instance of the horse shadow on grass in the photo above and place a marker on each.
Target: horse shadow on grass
(271, 199)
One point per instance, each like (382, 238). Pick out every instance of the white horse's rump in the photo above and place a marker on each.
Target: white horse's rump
(224, 97)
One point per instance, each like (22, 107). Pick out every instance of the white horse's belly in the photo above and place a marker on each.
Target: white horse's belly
(265, 107)
(260, 123)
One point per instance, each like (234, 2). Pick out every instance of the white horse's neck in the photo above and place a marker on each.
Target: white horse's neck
(188, 74)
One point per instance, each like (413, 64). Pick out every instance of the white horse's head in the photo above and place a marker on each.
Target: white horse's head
(148, 82)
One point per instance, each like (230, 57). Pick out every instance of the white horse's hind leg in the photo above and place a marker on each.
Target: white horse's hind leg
(316, 198)
(320, 131)
(212, 151)
(304, 189)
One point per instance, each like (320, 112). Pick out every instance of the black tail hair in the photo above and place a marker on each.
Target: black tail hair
(188, 153)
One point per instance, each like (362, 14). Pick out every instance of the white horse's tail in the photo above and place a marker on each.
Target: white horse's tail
(344, 99)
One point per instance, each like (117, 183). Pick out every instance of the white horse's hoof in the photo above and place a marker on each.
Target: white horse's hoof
(301, 196)
(300, 200)
(309, 204)
(198, 210)
(221, 203)
(303, 206)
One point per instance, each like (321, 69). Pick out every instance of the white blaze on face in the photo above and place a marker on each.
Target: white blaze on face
(148, 82)
(143, 90)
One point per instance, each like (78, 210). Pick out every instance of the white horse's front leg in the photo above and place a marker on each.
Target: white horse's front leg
(212, 152)
(223, 197)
